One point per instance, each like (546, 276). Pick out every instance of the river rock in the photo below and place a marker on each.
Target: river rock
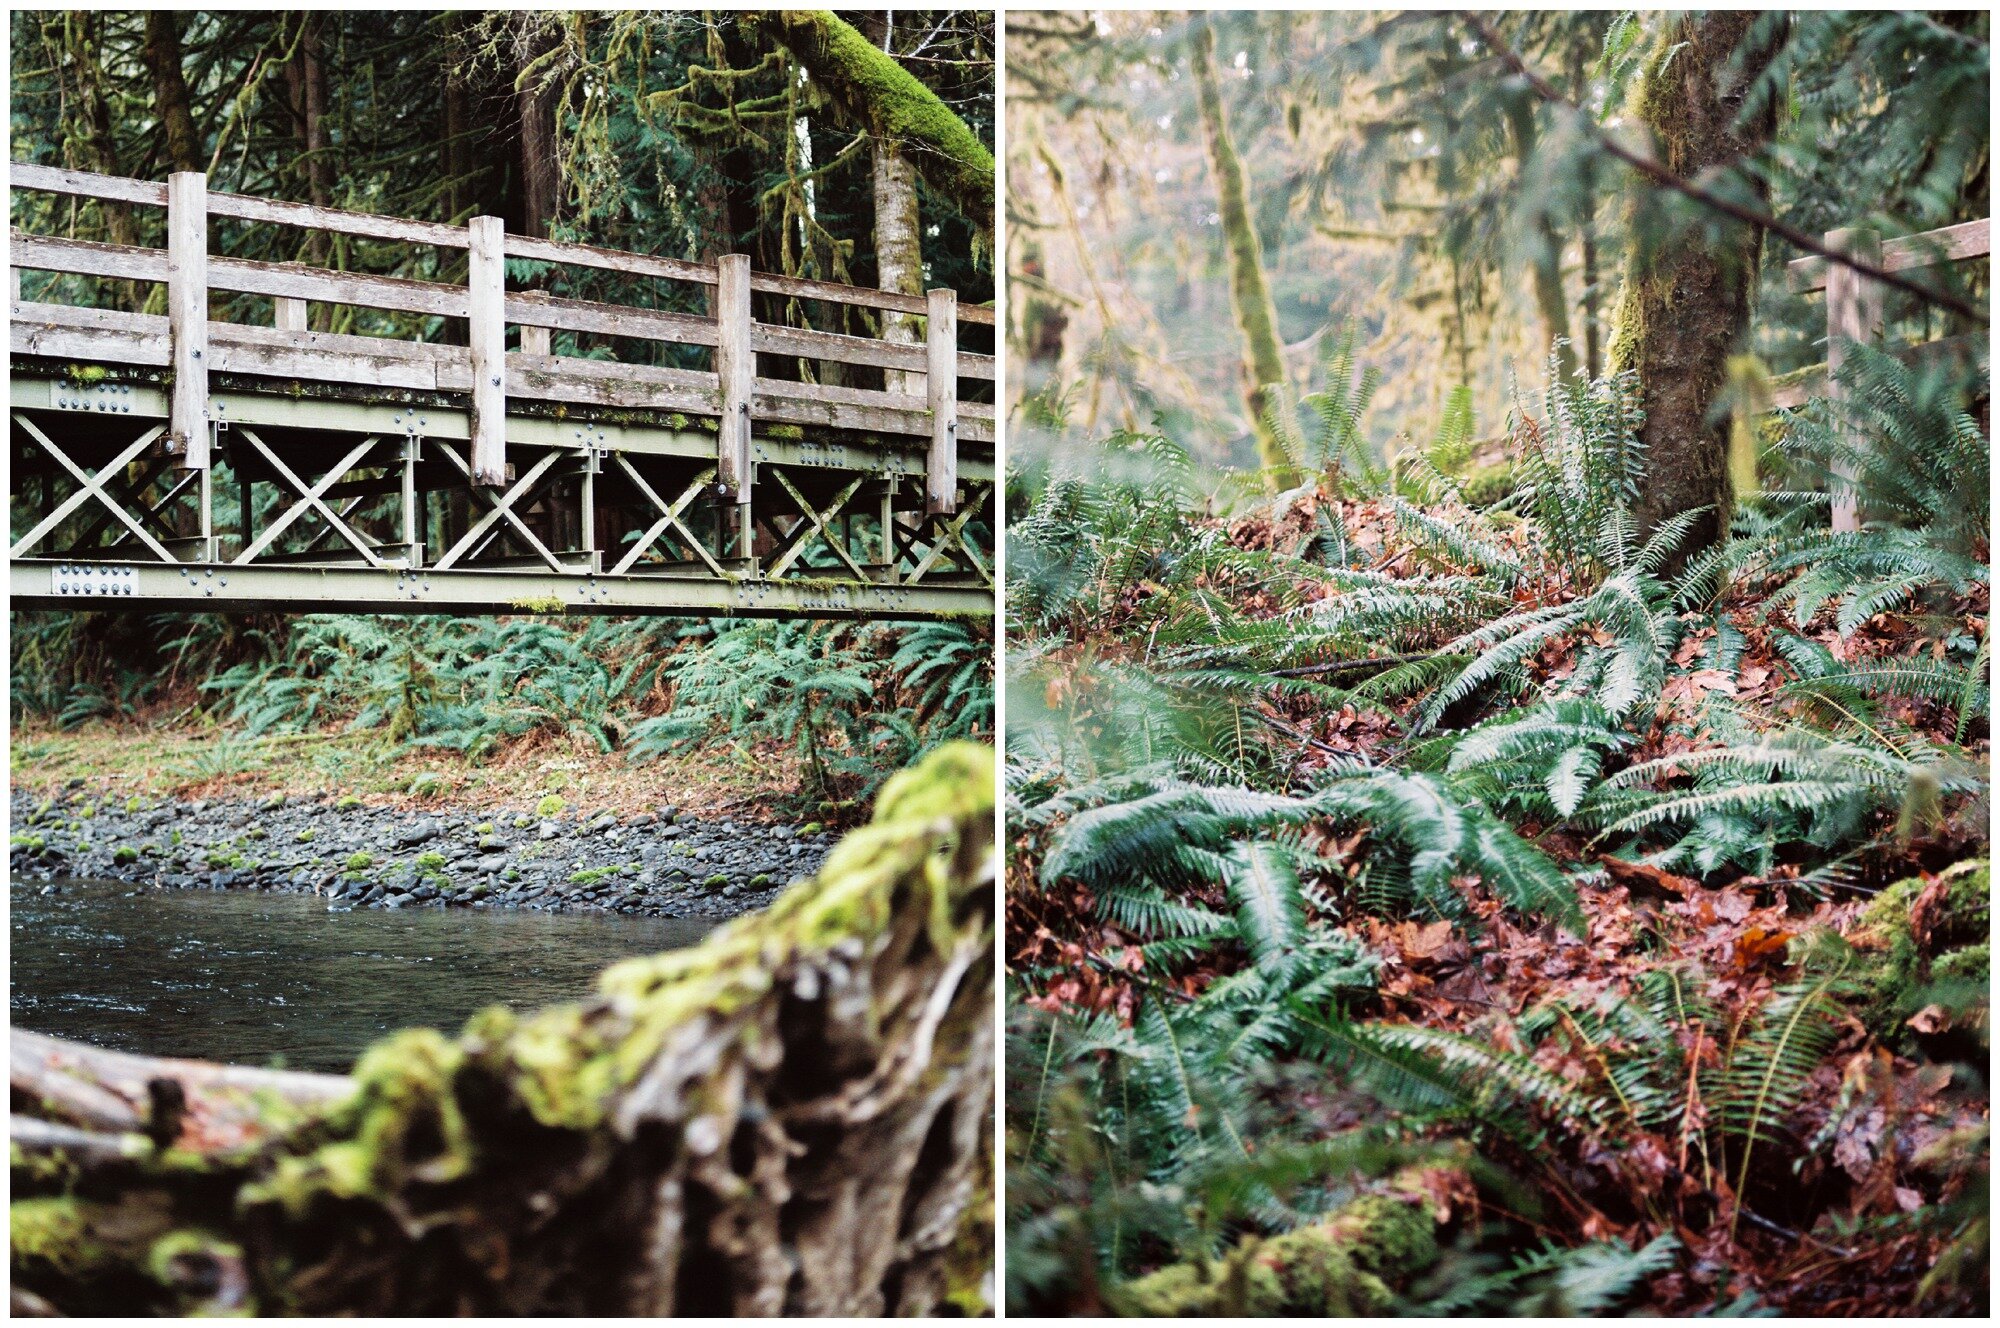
(421, 833)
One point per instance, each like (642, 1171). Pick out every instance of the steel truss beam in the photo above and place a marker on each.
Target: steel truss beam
(360, 485)
(32, 583)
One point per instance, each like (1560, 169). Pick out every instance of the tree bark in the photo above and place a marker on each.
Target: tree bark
(877, 93)
(1546, 258)
(162, 54)
(306, 95)
(899, 258)
(794, 1117)
(455, 154)
(538, 94)
(85, 33)
(1686, 299)
(1256, 315)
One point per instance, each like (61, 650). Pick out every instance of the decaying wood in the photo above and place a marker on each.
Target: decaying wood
(791, 1118)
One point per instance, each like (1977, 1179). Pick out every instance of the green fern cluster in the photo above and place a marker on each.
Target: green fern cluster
(854, 703)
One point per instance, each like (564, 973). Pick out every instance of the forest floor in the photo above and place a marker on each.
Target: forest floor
(188, 762)
(1894, 1102)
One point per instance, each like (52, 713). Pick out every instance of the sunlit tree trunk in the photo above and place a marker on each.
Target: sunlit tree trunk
(1256, 315)
(162, 54)
(899, 258)
(1687, 296)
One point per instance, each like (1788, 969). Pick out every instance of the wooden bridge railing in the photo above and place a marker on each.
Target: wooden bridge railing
(192, 344)
(1854, 310)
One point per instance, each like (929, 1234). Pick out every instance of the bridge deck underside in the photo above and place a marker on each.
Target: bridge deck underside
(362, 499)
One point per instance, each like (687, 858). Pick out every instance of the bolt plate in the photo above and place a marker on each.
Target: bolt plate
(94, 581)
(98, 398)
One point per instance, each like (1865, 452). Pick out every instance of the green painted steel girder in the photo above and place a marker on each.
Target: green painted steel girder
(41, 583)
(271, 409)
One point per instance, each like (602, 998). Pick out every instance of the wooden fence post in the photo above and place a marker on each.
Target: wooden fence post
(735, 372)
(288, 314)
(534, 340)
(941, 340)
(1853, 314)
(187, 316)
(486, 318)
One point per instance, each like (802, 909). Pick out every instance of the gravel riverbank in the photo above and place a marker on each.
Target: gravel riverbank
(663, 863)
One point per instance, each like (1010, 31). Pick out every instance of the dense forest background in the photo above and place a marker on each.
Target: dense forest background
(1401, 181)
(688, 134)
(1498, 758)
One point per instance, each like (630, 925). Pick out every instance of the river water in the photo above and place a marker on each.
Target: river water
(270, 978)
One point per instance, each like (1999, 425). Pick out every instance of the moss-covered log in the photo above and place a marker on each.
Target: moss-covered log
(875, 92)
(1351, 1263)
(793, 1117)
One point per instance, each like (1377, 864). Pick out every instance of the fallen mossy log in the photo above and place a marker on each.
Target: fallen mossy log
(792, 1118)
(1350, 1263)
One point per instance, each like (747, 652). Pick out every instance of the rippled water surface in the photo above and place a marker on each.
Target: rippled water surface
(258, 978)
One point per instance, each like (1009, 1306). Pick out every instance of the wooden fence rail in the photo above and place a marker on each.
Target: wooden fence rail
(1854, 311)
(190, 343)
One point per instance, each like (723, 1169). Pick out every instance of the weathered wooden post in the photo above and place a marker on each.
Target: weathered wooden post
(534, 340)
(288, 314)
(486, 317)
(941, 340)
(1853, 313)
(735, 373)
(187, 317)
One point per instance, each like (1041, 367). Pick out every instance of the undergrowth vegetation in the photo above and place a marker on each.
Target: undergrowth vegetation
(852, 703)
(1622, 910)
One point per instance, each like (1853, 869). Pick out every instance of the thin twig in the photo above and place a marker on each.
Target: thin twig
(1647, 166)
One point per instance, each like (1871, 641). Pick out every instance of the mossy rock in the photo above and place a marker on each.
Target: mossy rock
(1923, 933)
(1485, 485)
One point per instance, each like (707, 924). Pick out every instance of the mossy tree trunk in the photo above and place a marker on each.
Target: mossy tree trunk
(876, 93)
(1687, 295)
(162, 55)
(1256, 315)
(794, 1117)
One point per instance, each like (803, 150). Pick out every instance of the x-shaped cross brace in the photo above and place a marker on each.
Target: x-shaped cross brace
(814, 524)
(92, 486)
(503, 509)
(670, 521)
(149, 472)
(949, 535)
(311, 499)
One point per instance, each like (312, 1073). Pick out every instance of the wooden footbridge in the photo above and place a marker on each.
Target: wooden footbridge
(198, 431)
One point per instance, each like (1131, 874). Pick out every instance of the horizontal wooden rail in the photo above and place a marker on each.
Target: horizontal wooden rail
(245, 207)
(484, 368)
(1794, 389)
(1952, 244)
